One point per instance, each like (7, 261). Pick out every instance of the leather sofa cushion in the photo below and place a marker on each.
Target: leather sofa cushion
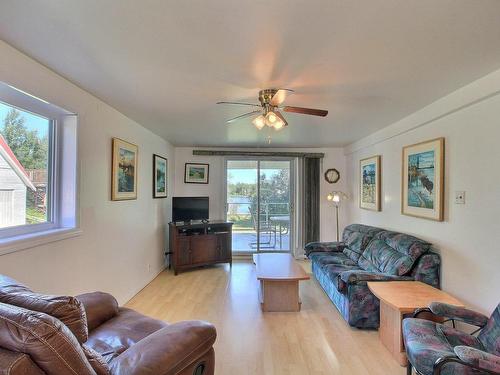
(99, 308)
(96, 360)
(44, 338)
(356, 237)
(119, 333)
(392, 253)
(67, 309)
(12, 363)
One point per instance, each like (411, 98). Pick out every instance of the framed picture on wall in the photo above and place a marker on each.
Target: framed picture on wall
(160, 175)
(123, 170)
(369, 186)
(423, 180)
(196, 173)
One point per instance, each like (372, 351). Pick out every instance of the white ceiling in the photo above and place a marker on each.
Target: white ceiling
(165, 63)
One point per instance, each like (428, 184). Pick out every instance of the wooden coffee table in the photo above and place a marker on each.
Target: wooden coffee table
(279, 276)
(400, 298)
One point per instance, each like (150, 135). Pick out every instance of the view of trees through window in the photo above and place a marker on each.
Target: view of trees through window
(24, 160)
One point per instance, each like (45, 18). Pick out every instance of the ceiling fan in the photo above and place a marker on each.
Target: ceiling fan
(268, 111)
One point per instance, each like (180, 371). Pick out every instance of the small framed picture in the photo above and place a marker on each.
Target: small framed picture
(123, 170)
(195, 173)
(160, 175)
(423, 180)
(369, 187)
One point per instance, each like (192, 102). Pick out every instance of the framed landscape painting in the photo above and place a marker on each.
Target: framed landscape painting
(195, 173)
(423, 180)
(159, 176)
(123, 170)
(369, 193)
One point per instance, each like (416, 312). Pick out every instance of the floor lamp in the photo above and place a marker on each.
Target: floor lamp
(336, 197)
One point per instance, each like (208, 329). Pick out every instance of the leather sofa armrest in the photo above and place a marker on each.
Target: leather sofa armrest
(318, 247)
(479, 359)
(446, 310)
(166, 351)
(358, 276)
(13, 363)
(99, 308)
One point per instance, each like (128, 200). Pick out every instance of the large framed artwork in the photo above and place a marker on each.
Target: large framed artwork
(369, 187)
(196, 173)
(423, 180)
(160, 174)
(124, 170)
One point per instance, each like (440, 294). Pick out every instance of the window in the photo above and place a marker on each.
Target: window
(25, 142)
(37, 168)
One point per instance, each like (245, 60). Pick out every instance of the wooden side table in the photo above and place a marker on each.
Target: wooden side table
(397, 299)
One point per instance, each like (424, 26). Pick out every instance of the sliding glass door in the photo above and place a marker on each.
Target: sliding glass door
(258, 202)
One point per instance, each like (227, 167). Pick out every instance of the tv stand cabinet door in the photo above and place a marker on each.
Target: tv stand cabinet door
(203, 249)
(183, 251)
(224, 251)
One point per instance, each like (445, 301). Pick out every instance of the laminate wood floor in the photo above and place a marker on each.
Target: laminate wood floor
(314, 341)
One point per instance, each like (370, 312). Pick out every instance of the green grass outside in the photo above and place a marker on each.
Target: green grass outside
(242, 223)
(34, 216)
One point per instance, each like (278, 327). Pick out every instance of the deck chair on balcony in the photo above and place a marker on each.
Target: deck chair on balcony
(266, 231)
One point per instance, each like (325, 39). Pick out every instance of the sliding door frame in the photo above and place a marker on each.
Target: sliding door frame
(291, 199)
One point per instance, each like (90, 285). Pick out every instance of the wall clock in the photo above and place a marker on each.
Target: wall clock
(332, 176)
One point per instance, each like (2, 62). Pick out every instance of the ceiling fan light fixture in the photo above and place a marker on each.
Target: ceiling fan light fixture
(271, 118)
(278, 125)
(280, 122)
(259, 122)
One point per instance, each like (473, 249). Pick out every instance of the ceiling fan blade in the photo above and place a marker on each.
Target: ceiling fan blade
(243, 116)
(238, 103)
(280, 96)
(277, 113)
(306, 111)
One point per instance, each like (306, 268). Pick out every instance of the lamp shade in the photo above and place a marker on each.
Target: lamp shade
(259, 122)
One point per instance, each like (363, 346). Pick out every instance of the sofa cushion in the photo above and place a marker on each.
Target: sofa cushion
(335, 270)
(356, 237)
(426, 341)
(119, 333)
(490, 334)
(392, 253)
(96, 360)
(322, 259)
(44, 338)
(65, 308)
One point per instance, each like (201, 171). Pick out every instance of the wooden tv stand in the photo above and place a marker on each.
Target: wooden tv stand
(200, 244)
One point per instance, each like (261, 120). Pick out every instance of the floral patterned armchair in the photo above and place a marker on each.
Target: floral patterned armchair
(435, 348)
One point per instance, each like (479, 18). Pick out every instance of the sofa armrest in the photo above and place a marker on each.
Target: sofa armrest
(99, 308)
(478, 358)
(13, 363)
(362, 277)
(319, 247)
(166, 351)
(458, 313)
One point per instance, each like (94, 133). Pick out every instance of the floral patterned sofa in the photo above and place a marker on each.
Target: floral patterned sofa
(369, 254)
(435, 348)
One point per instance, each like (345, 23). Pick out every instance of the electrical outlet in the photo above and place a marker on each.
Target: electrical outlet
(460, 197)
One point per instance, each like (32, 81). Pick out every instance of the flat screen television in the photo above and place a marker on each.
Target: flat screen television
(189, 208)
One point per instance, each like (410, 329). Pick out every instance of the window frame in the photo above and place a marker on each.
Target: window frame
(23, 236)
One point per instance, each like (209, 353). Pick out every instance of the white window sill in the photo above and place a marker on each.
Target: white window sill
(26, 241)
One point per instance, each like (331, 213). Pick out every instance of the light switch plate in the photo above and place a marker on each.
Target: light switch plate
(460, 197)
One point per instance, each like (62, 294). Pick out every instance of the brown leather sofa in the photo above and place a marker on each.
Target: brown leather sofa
(91, 335)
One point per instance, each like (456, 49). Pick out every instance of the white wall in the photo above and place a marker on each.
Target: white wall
(469, 238)
(121, 247)
(334, 158)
